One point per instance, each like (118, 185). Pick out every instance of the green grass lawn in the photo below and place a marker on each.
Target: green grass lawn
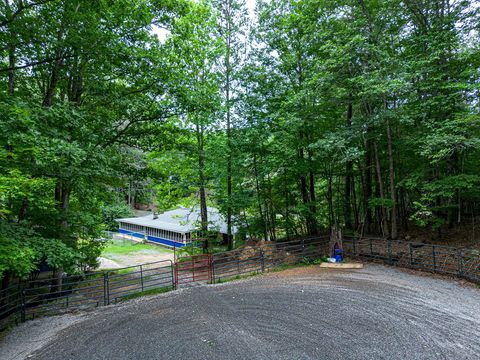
(128, 247)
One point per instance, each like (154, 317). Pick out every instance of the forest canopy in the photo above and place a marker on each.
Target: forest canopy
(292, 118)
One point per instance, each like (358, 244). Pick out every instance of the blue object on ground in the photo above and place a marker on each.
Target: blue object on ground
(338, 258)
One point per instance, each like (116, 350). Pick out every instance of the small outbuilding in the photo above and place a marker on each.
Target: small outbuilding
(175, 228)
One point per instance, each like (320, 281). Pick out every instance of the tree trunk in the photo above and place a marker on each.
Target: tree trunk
(348, 177)
(305, 190)
(273, 222)
(394, 232)
(57, 282)
(355, 204)
(259, 201)
(383, 211)
(229, 152)
(22, 214)
(202, 185)
(55, 72)
(287, 212)
(11, 72)
(367, 191)
(5, 280)
(313, 207)
(330, 202)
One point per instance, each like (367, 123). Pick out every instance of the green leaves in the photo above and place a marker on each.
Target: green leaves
(22, 250)
(14, 187)
(89, 80)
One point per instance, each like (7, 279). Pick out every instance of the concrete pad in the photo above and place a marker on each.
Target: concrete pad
(341, 265)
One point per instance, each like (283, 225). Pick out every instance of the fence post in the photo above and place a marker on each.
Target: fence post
(389, 250)
(193, 268)
(303, 246)
(371, 247)
(213, 270)
(210, 269)
(106, 289)
(460, 263)
(173, 273)
(23, 307)
(434, 259)
(262, 259)
(141, 276)
(411, 253)
(354, 241)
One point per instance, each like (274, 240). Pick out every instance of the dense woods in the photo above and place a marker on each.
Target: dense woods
(292, 119)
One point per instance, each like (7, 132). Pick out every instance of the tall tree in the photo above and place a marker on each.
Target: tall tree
(232, 23)
(195, 51)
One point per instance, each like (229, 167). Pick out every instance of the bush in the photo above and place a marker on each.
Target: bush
(110, 212)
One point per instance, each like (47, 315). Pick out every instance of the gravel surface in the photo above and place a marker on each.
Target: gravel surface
(303, 313)
(33, 335)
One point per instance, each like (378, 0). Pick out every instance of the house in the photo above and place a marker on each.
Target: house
(172, 228)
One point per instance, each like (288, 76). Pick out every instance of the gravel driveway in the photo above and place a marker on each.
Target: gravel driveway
(304, 313)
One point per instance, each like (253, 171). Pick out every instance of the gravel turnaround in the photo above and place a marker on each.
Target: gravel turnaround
(304, 313)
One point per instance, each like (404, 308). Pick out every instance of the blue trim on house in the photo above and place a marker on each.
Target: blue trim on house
(165, 242)
(153, 238)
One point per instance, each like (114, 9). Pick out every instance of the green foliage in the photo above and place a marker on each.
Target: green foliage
(82, 84)
(187, 251)
(88, 251)
(56, 254)
(318, 114)
(112, 211)
(15, 258)
(22, 251)
(380, 202)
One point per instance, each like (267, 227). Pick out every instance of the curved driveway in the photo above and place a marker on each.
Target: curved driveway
(305, 313)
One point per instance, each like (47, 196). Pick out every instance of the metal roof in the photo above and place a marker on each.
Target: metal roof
(182, 220)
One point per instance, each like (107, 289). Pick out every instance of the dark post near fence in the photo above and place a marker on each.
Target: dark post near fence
(141, 276)
(193, 268)
(262, 259)
(389, 250)
(410, 250)
(213, 271)
(371, 248)
(23, 306)
(460, 263)
(354, 246)
(172, 274)
(106, 289)
(434, 258)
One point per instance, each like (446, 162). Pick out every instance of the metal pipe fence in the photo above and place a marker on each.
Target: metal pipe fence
(249, 261)
(440, 259)
(30, 299)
